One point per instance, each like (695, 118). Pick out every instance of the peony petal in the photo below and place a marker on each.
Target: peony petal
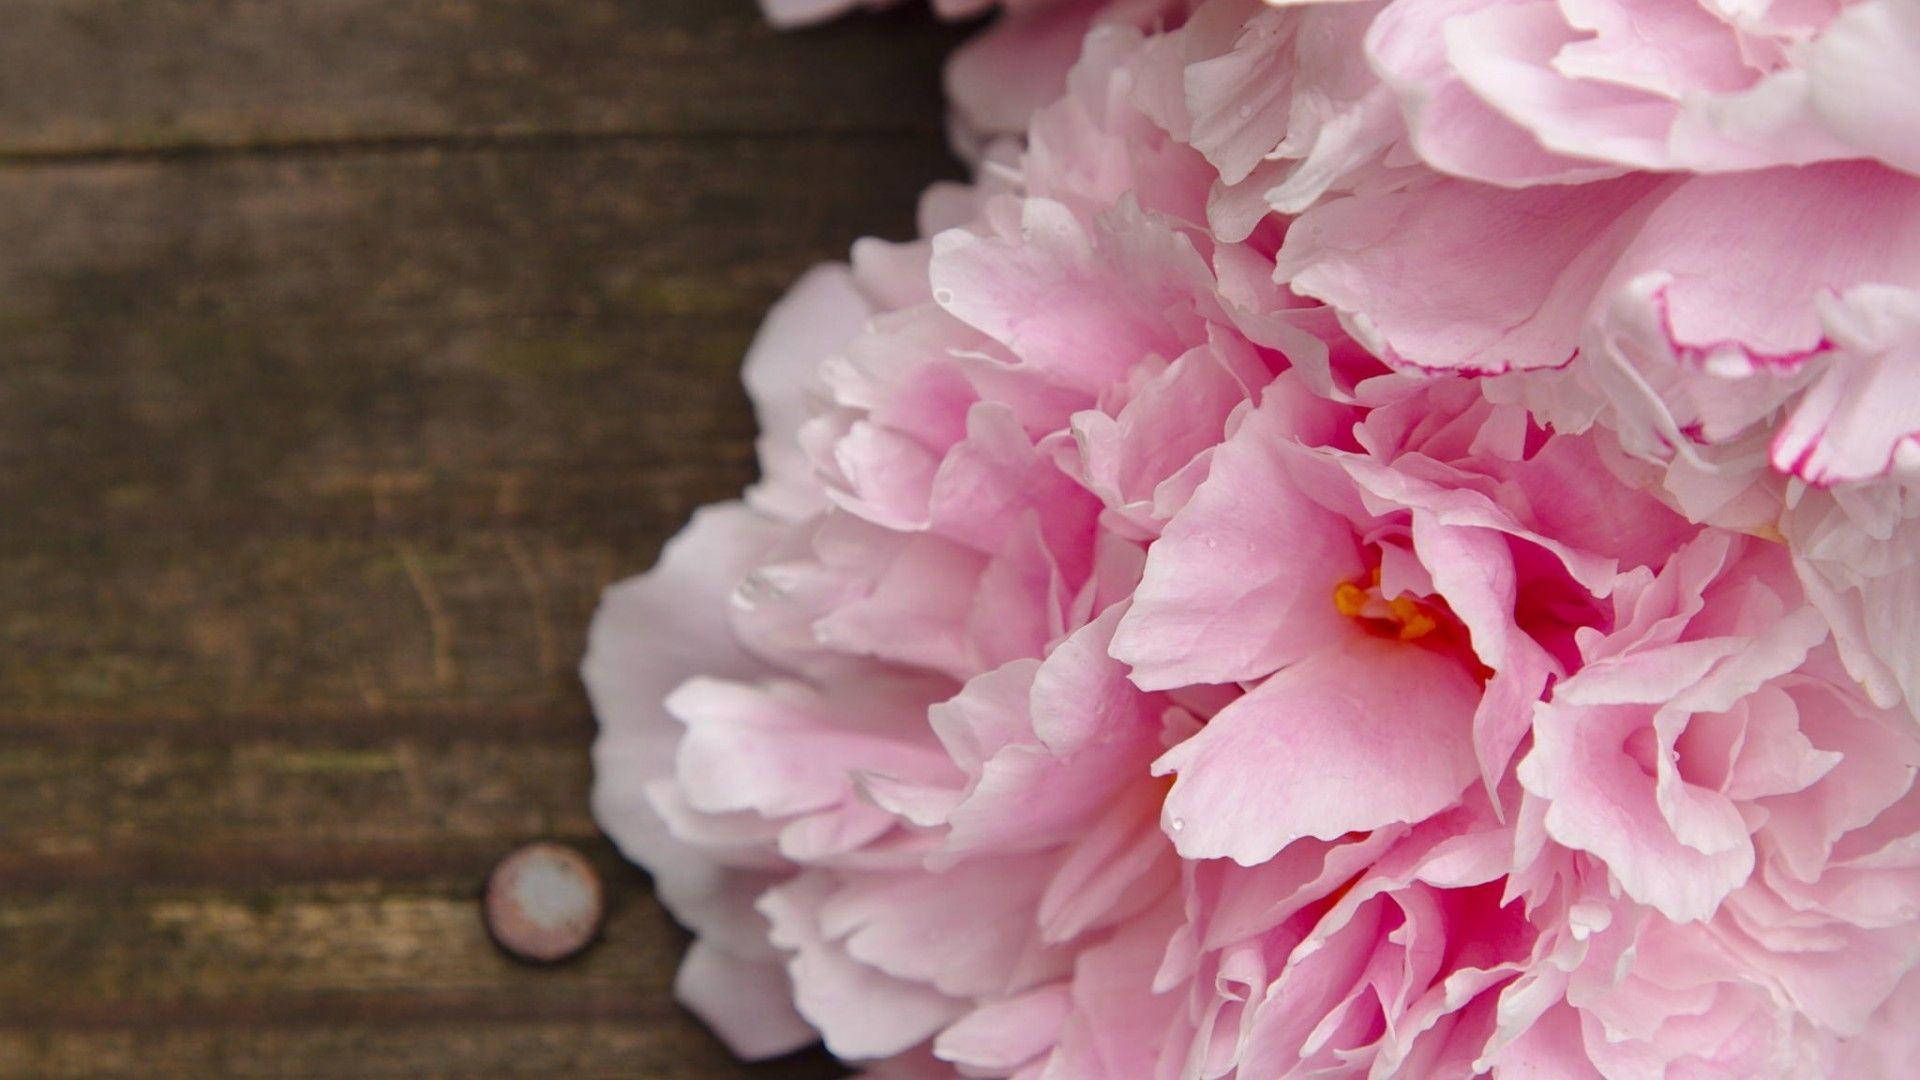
(1241, 581)
(1854, 421)
(860, 1012)
(1007, 1034)
(1521, 268)
(1345, 740)
(818, 317)
(968, 932)
(1802, 232)
(1864, 74)
(1603, 802)
(1452, 129)
(749, 1004)
(1078, 304)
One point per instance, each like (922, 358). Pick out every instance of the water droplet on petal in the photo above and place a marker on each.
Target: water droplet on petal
(1177, 824)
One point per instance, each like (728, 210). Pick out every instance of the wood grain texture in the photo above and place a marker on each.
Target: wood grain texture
(352, 348)
(112, 76)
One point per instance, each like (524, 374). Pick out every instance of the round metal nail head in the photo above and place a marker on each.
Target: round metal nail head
(544, 902)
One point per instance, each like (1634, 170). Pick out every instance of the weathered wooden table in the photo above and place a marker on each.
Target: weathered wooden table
(350, 348)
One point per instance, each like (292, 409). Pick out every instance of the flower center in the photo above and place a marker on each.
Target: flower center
(1403, 616)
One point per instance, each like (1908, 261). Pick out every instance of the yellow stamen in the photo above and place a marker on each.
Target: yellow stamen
(1349, 599)
(1408, 618)
(1414, 622)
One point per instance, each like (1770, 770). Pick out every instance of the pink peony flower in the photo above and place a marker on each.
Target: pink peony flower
(1235, 600)
(1743, 311)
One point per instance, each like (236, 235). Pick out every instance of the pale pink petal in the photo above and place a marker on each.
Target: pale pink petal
(968, 932)
(1551, 1049)
(1603, 802)
(1522, 268)
(777, 750)
(1117, 1024)
(1799, 233)
(1473, 569)
(1005, 1035)
(1349, 739)
(1081, 697)
(1891, 1041)
(1863, 413)
(1167, 423)
(1078, 303)
(1664, 49)
(1342, 120)
(859, 1011)
(1241, 582)
(628, 672)
(996, 475)
(997, 80)
(1864, 74)
(749, 1004)
(1120, 866)
(1509, 56)
(818, 317)
(1238, 100)
(1451, 128)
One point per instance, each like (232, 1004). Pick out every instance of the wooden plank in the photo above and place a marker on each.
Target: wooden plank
(352, 348)
(344, 979)
(354, 623)
(340, 435)
(159, 810)
(661, 1049)
(102, 76)
(279, 952)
